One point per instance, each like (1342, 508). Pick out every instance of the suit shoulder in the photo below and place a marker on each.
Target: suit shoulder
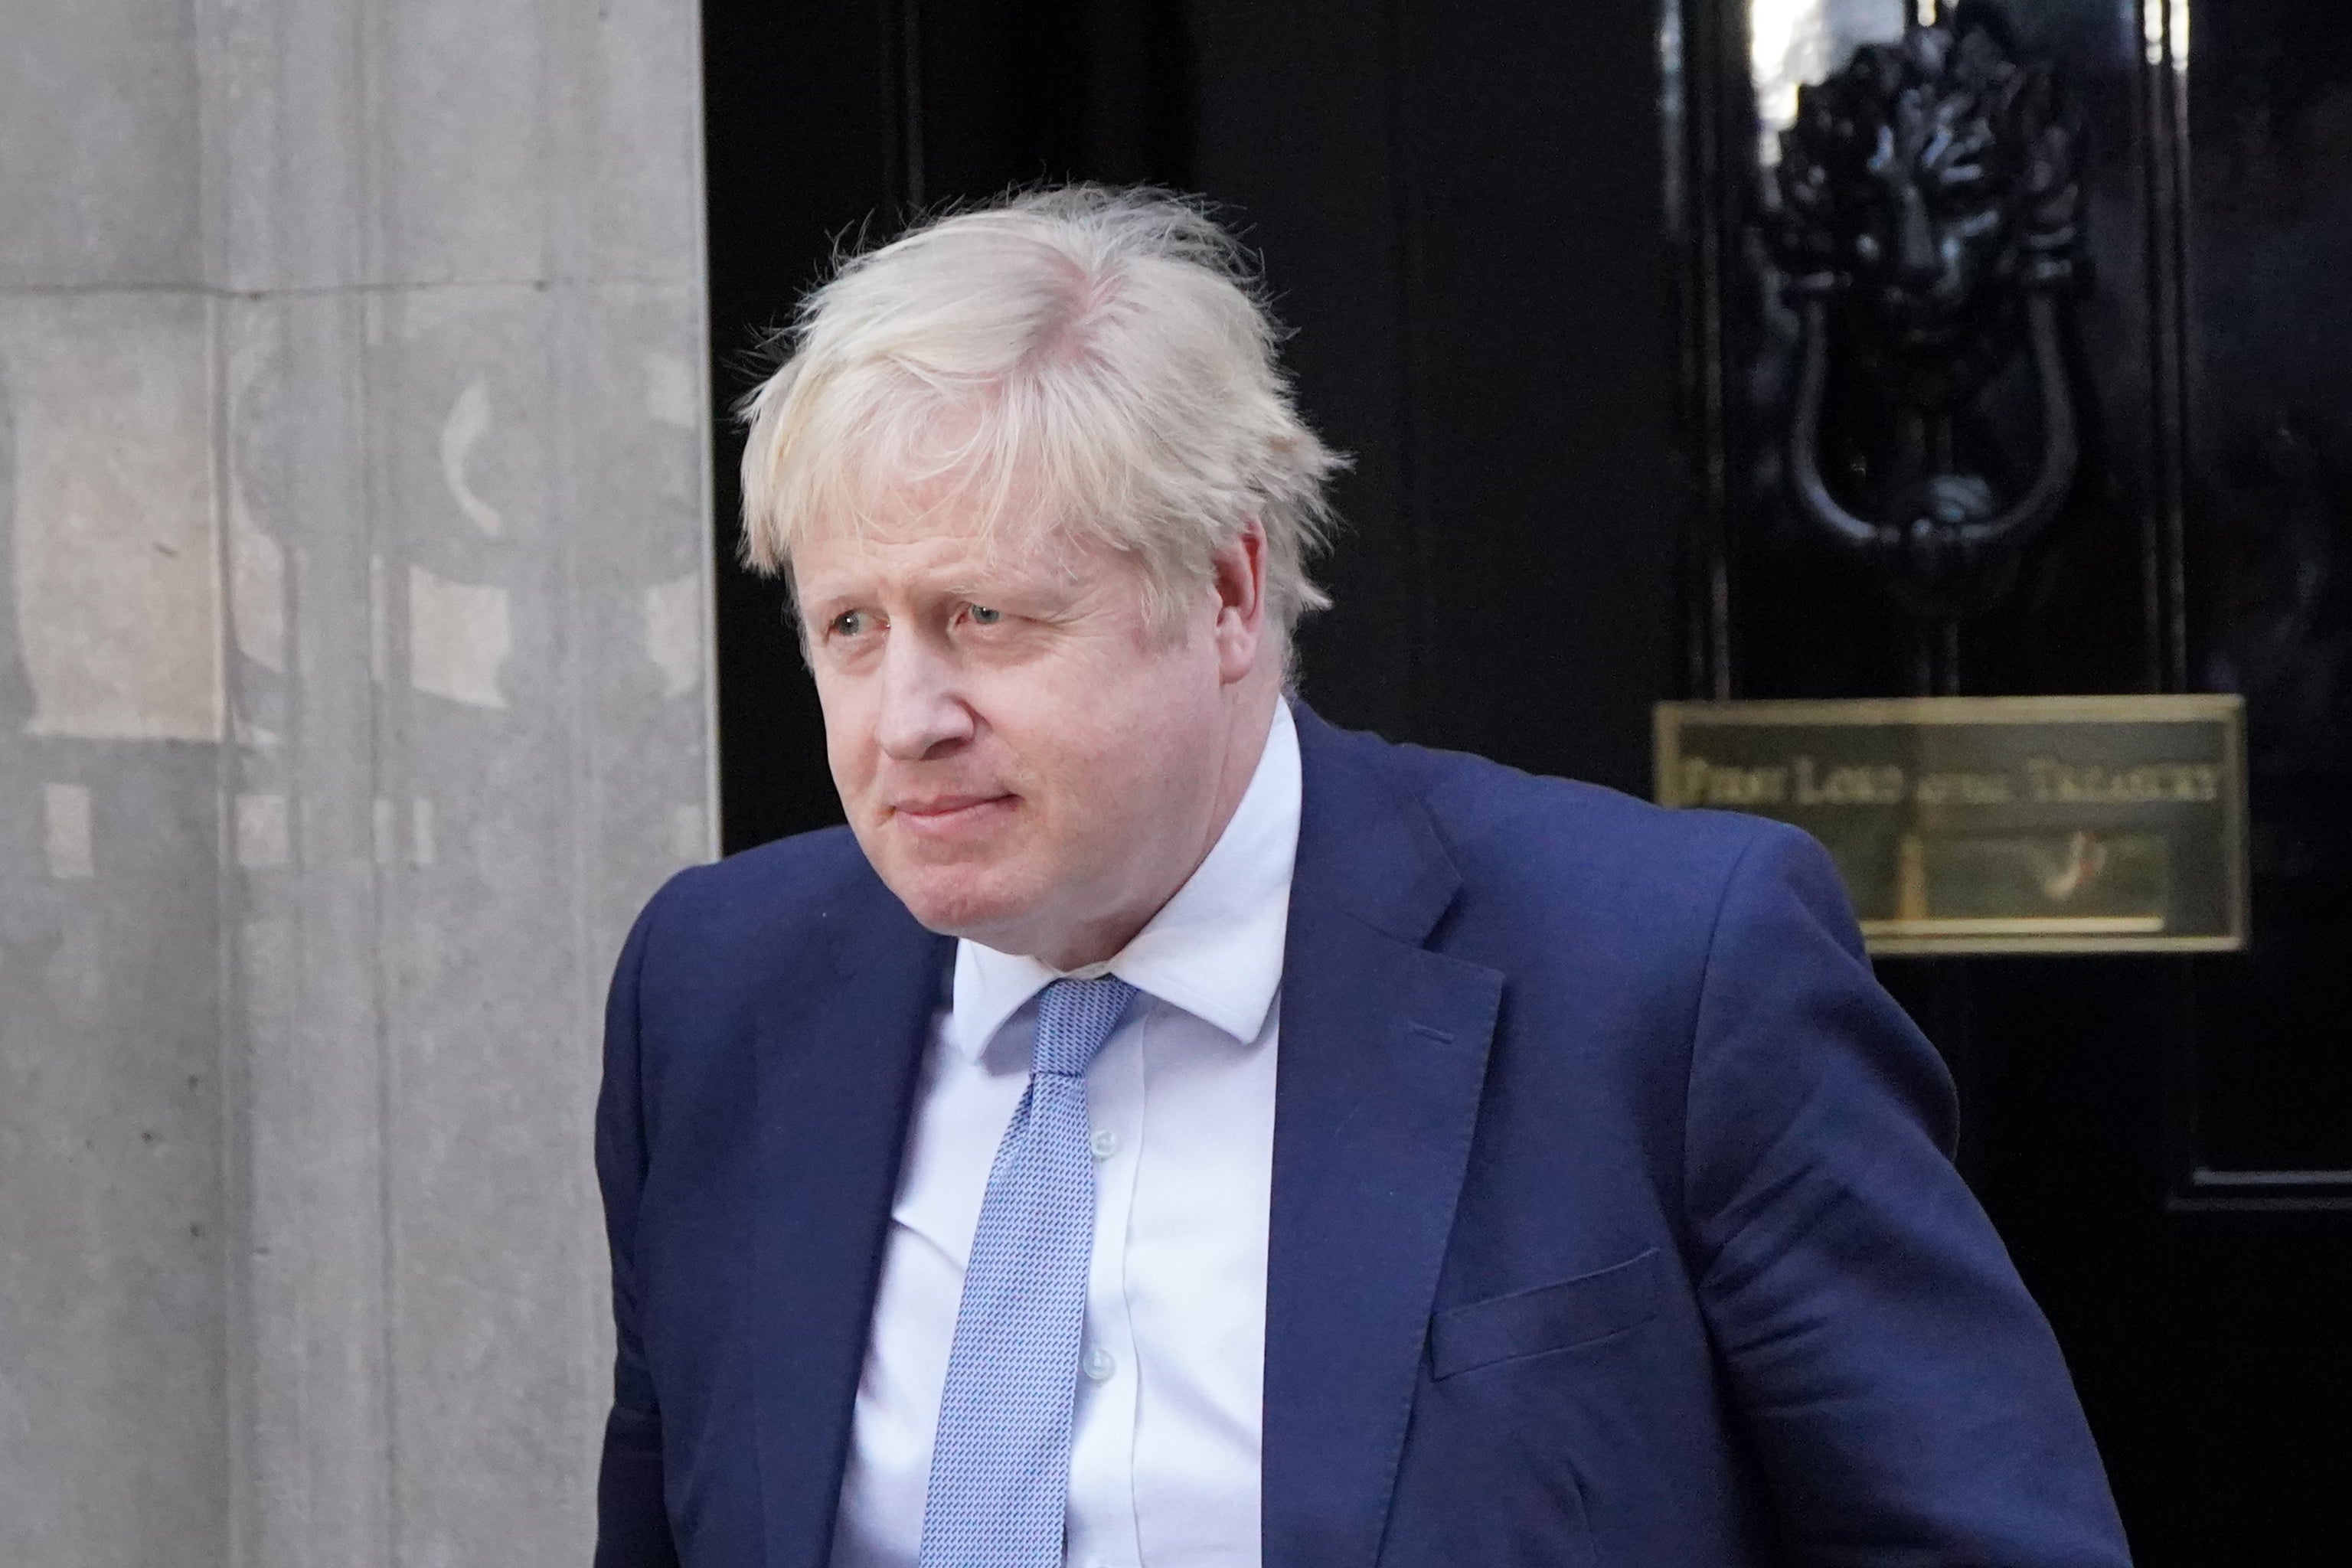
(1476, 801)
(1564, 843)
(765, 893)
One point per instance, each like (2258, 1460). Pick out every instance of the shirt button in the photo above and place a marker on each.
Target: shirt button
(1105, 1143)
(1100, 1363)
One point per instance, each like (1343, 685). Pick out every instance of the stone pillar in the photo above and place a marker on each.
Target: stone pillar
(354, 687)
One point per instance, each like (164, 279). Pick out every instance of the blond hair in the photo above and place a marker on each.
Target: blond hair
(1094, 359)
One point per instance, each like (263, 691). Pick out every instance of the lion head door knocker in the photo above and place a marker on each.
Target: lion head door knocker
(1927, 224)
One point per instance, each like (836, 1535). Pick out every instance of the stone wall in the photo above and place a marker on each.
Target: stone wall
(354, 690)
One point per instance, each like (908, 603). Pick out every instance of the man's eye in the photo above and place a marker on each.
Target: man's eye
(982, 615)
(848, 624)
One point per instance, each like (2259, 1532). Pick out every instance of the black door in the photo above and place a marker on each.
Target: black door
(1531, 255)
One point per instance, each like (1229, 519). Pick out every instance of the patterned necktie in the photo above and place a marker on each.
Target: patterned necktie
(1000, 1460)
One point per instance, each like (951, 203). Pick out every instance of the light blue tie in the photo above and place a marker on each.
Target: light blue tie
(1001, 1459)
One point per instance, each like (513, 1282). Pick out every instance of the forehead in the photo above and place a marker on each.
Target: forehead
(942, 548)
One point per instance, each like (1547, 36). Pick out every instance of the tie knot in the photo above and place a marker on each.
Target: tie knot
(1074, 1019)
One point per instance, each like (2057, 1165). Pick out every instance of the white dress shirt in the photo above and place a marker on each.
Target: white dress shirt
(1164, 1454)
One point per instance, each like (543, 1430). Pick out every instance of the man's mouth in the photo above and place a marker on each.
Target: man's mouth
(946, 814)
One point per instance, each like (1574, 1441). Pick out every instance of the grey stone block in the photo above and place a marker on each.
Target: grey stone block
(454, 141)
(113, 1233)
(100, 114)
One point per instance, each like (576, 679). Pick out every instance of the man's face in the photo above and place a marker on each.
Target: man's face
(1026, 758)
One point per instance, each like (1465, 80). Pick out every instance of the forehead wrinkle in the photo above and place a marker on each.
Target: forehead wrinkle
(907, 552)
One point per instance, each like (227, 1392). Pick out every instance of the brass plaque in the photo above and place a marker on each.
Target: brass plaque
(1980, 824)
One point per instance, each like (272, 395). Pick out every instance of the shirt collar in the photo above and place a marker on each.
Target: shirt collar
(1214, 950)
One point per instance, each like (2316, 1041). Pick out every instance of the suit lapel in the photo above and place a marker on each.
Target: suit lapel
(837, 1066)
(1384, 1057)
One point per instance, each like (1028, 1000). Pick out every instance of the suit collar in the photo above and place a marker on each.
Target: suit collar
(1366, 844)
(1383, 1049)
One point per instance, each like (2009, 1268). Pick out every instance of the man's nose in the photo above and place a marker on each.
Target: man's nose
(923, 712)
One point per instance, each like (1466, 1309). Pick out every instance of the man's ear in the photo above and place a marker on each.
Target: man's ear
(1237, 572)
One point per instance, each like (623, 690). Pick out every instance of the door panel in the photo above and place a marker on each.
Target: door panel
(2269, 573)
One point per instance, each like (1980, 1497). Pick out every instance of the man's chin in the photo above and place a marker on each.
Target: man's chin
(966, 903)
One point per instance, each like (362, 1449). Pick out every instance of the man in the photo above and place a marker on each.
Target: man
(1166, 1129)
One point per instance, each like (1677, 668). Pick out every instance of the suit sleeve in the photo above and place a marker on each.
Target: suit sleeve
(1907, 1398)
(632, 1519)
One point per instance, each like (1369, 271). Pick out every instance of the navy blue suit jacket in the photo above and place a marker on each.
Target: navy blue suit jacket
(1612, 1218)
